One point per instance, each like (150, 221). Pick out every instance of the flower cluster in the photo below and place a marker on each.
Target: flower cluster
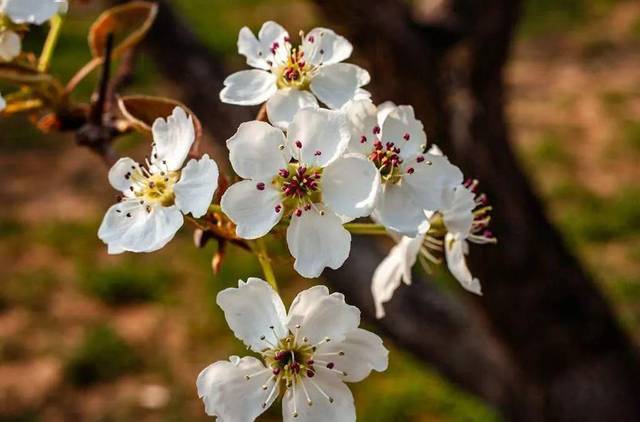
(306, 171)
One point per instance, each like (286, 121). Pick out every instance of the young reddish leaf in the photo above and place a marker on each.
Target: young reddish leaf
(128, 23)
(142, 110)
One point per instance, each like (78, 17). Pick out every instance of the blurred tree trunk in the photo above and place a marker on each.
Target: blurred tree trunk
(551, 317)
(541, 344)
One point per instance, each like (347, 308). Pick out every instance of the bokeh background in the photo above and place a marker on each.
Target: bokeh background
(87, 336)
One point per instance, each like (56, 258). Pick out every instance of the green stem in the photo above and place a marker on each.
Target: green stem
(215, 208)
(50, 43)
(265, 262)
(366, 228)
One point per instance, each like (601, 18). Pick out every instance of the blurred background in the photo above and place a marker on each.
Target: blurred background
(87, 336)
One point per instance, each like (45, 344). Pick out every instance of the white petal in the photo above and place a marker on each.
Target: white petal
(254, 312)
(363, 121)
(457, 210)
(317, 241)
(434, 150)
(393, 270)
(248, 87)
(455, 249)
(362, 350)
(130, 227)
(172, 139)
(251, 209)
(430, 179)
(63, 6)
(252, 49)
(338, 83)
(255, 151)
(198, 182)
(271, 33)
(341, 409)
(227, 393)
(120, 174)
(284, 104)
(30, 11)
(350, 186)
(322, 46)
(384, 109)
(3, 103)
(397, 211)
(10, 46)
(321, 315)
(362, 94)
(405, 131)
(324, 136)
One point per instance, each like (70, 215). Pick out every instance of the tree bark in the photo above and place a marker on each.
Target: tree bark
(558, 329)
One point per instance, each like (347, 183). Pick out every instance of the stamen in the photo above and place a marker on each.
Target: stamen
(260, 186)
(326, 396)
(271, 393)
(324, 340)
(339, 353)
(295, 405)
(262, 371)
(306, 393)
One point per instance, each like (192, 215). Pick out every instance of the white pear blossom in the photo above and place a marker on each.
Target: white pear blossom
(411, 180)
(304, 176)
(155, 196)
(34, 12)
(290, 78)
(306, 356)
(10, 45)
(463, 217)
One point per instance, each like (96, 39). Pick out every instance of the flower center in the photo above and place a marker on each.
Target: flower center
(153, 188)
(300, 187)
(293, 362)
(387, 159)
(295, 72)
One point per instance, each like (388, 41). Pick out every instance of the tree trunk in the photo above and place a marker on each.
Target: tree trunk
(550, 315)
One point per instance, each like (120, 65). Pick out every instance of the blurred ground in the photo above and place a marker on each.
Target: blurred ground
(86, 336)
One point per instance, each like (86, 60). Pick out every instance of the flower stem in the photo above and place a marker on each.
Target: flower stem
(215, 208)
(265, 262)
(50, 43)
(366, 228)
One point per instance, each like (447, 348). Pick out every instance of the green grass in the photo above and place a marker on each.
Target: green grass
(550, 149)
(589, 218)
(29, 289)
(556, 16)
(102, 356)
(126, 282)
(630, 134)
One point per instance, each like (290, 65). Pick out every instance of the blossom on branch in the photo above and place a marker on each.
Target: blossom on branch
(306, 356)
(290, 78)
(411, 180)
(304, 176)
(20, 12)
(464, 217)
(155, 195)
